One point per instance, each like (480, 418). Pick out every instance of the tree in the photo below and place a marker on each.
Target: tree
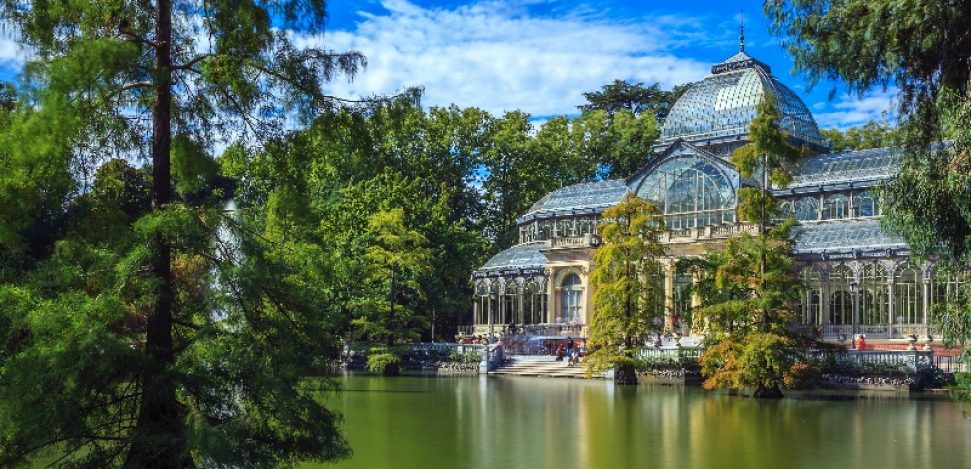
(749, 343)
(634, 98)
(394, 264)
(174, 386)
(871, 135)
(628, 286)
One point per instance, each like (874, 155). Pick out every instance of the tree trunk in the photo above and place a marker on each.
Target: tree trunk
(768, 392)
(159, 438)
(393, 369)
(625, 373)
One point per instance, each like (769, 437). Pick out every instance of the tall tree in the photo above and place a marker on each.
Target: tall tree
(873, 134)
(628, 286)
(750, 345)
(164, 79)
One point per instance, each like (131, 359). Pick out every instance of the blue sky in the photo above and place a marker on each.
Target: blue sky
(540, 55)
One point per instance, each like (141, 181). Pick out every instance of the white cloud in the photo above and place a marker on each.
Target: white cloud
(500, 56)
(12, 55)
(852, 110)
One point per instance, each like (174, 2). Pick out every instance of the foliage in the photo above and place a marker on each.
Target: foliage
(757, 360)
(747, 316)
(628, 290)
(394, 263)
(952, 319)
(464, 357)
(633, 97)
(380, 359)
(154, 329)
(666, 362)
(870, 135)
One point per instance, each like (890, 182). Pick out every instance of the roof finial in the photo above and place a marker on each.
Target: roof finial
(741, 30)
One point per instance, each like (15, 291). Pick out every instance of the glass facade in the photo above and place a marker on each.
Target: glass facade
(690, 192)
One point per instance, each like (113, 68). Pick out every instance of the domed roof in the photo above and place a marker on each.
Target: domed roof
(720, 108)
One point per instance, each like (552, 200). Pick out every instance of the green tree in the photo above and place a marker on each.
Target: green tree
(628, 287)
(870, 135)
(186, 345)
(634, 98)
(749, 343)
(394, 264)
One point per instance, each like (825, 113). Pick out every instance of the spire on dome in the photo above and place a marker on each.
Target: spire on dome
(741, 30)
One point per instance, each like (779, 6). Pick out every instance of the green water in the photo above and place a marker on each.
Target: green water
(504, 422)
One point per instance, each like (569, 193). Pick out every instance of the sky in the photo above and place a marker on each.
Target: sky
(539, 56)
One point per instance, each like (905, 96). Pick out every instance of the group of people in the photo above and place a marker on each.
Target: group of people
(574, 352)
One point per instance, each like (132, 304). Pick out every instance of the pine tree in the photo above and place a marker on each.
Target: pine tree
(628, 286)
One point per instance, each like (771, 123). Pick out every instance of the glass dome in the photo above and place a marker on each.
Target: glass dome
(720, 108)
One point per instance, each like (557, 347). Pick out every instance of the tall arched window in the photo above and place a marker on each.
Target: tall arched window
(481, 301)
(874, 295)
(867, 204)
(571, 299)
(807, 209)
(534, 302)
(810, 302)
(836, 207)
(840, 298)
(512, 301)
(691, 192)
(908, 295)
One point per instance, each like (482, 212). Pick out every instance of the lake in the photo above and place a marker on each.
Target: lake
(510, 422)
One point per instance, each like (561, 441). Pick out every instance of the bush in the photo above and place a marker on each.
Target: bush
(802, 375)
(464, 357)
(381, 360)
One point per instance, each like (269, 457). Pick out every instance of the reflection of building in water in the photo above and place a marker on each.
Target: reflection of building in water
(858, 278)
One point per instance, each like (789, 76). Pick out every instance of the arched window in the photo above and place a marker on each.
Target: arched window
(811, 296)
(874, 299)
(807, 209)
(586, 226)
(786, 210)
(836, 207)
(571, 300)
(691, 192)
(840, 298)
(867, 204)
(481, 301)
(534, 302)
(512, 303)
(908, 296)
(564, 227)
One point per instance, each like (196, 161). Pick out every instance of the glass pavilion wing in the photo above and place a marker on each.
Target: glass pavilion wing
(526, 257)
(844, 237)
(593, 196)
(837, 168)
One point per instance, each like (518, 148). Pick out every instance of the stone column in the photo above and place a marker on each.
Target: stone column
(669, 271)
(824, 313)
(695, 300)
(926, 281)
(891, 299)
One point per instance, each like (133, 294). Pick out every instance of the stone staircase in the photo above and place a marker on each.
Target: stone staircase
(541, 366)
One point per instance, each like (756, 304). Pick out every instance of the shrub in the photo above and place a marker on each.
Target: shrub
(380, 359)
(801, 375)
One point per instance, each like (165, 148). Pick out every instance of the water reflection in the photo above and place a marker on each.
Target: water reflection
(561, 423)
